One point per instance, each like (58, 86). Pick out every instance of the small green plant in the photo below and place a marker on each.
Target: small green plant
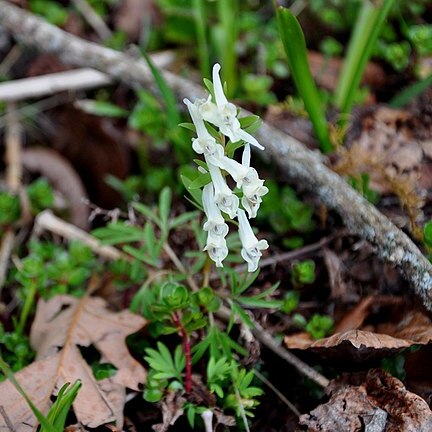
(15, 348)
(41, 195)
(9, 209)
(166, 371)
(303, 273)
(49, 270)
(319, 326)
(285, 212)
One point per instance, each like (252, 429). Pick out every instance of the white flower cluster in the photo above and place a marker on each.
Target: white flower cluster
(217, 195)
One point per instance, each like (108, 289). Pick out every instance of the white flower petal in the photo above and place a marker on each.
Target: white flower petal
(216, 250)
(236, 170)
(217, 86)
(215, 224)
(246, 157)
(251, 246)
(224, 198)
(241, 134)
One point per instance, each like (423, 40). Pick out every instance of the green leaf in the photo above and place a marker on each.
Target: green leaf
(165, 207)
(295, 48)
(173, 115)
(189, 126)
(146, 211)
(102, 108)
(118, 232)
(406, 95)
(196, 193)
(427, 233)
(46, 425)
(200, 181)
(363, 39)
(140, 255)
(184, 219)
(254, 302)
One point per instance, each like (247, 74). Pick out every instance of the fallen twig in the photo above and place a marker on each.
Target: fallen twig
(47, 221)
(38, 86)
(13, 181)
(300, 165)
(93, 19)
(268, 341)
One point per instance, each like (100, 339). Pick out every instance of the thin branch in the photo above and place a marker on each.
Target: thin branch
(7, 419)
(267, 340)
(305, 167)
(93, 19)
(13, 180)
(39, 86)
(47, 221)
(278, 393)
(180, 267)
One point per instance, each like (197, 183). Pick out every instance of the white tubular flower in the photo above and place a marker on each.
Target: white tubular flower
(217, 249)
(253, 187)
(223, 114)
(236, 170)
(223, 196)
(215, 224)
(204, 143)
(251, 246)
(252, 202)
(207, 417)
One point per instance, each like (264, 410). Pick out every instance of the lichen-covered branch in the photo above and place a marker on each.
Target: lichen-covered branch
(301, 165)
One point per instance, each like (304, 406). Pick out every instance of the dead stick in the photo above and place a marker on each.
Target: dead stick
(47, 221)
(13, 180)
(93, 19)
(302, 166)
(6, 419)
(268, 341)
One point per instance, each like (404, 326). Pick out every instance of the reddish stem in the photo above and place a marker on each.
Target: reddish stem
(187, 351)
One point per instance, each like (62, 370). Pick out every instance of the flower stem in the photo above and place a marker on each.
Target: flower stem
(187, 351)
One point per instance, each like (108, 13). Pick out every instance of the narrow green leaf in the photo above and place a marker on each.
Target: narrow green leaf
(46, 425)
(189, 126)
(183, 219)
(200, 181)
(406, 95)
(147, 212)
(173, 115)
(295, 48)
(367, 28)
(165, 207)
(254, 302)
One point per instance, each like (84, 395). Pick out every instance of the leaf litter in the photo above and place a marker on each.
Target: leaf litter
(371, 402)
(61, 326)
(354, 337)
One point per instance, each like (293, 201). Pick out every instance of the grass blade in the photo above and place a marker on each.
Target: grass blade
(295, 48)
(367, 28)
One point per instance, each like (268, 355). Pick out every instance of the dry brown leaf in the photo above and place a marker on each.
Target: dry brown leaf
(355, 318)
(172, 409)
(60, 326)
(357, 341)
(378, 403)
